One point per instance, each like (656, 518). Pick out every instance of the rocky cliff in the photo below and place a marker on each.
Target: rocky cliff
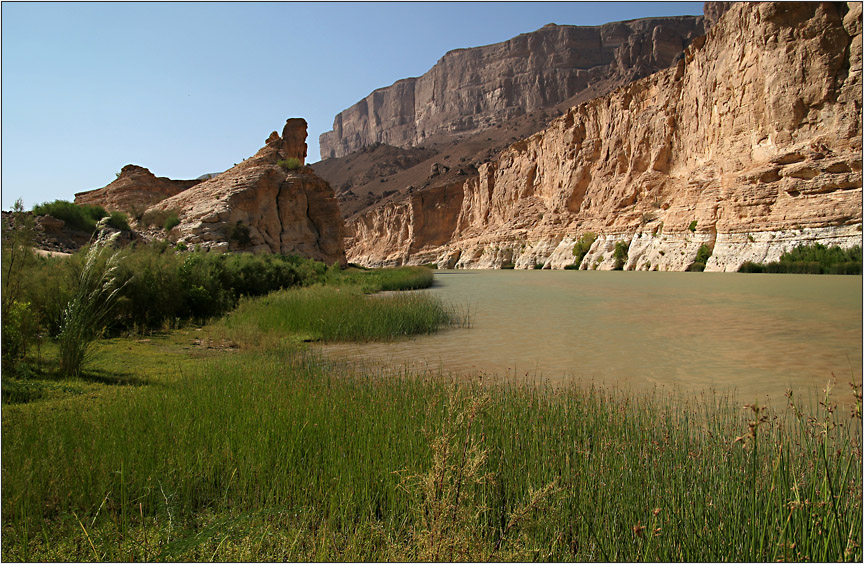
(134, 190)
(477, 88)
(268, 203)
(750, 145)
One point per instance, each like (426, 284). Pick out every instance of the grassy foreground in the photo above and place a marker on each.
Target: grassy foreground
(200, 452)
(233, 441)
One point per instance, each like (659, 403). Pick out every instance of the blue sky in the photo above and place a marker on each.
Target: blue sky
(189, 88)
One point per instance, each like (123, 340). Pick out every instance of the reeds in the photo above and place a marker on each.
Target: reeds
(87, 313)
(281, 454)
(326, 313)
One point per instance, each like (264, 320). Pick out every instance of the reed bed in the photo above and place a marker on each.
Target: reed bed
(327, 313)
(283, 455)
(386, 279)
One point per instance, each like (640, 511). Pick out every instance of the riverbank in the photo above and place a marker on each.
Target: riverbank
(191, 445)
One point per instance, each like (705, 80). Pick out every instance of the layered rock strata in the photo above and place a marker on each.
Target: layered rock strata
(473, 89)
(750, 144)
(134, 190)
(265, 204)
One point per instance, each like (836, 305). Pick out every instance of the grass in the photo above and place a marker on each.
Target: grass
(279, 454)
(383, 279)
(232, 441)
(322, 313)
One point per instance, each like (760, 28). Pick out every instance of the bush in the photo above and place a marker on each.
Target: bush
(538, 266)
(171, 222)
(620, 255)
(702, 256)
(118, 220)
(573, 266)
(240, 233)
(812, 259)
(290, 163)
(692, 226)
(580, 249)
(82, 218)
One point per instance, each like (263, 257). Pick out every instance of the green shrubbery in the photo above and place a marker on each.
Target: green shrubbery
(580, 249)
(290, 163)
(620, 255)
(171, 222)
(83, 217)
(159, 284)
(702, 256)
(812, 259)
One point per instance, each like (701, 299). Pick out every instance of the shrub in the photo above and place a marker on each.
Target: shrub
(692, 226)
(538, 266)
(620, 255)
(118, 220)
(171, 222)
(580, 249)
(290, 163)
(812, 259)
(573, 266)
(702, 256)
(82, 218)
(240, 233)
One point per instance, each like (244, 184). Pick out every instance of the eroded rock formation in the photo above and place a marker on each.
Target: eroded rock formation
(474, 89)
(750, 144)
(262, 205)
(134, 190)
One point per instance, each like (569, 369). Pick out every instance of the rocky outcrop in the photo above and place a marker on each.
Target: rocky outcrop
(750, 144)
(264, 204)
(134, 190)
(477, 88)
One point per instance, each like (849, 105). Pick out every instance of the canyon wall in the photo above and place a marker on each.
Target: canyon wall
(473, 89)
(750, 144)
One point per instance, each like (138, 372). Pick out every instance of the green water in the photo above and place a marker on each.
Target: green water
(756, 334)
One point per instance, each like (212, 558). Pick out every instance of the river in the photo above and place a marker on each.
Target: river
(754, 334)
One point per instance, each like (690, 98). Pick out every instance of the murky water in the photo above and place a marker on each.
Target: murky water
(756, 334)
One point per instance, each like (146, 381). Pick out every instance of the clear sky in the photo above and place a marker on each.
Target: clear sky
(190, 88)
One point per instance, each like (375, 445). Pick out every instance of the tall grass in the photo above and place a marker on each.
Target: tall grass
(88, 312)
(279, 455)
(328, 313)
(386, 279)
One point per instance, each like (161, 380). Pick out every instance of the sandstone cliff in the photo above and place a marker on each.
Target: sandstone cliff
(477, 88)
(134, 190)
(264, 204)
(750, 144)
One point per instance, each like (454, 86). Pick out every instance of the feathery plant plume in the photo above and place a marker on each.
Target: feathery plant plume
(86, 313)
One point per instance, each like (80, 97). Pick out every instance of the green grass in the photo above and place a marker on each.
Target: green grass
(234, 442)
(280, 454)
(384, 279)
(339, 314)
